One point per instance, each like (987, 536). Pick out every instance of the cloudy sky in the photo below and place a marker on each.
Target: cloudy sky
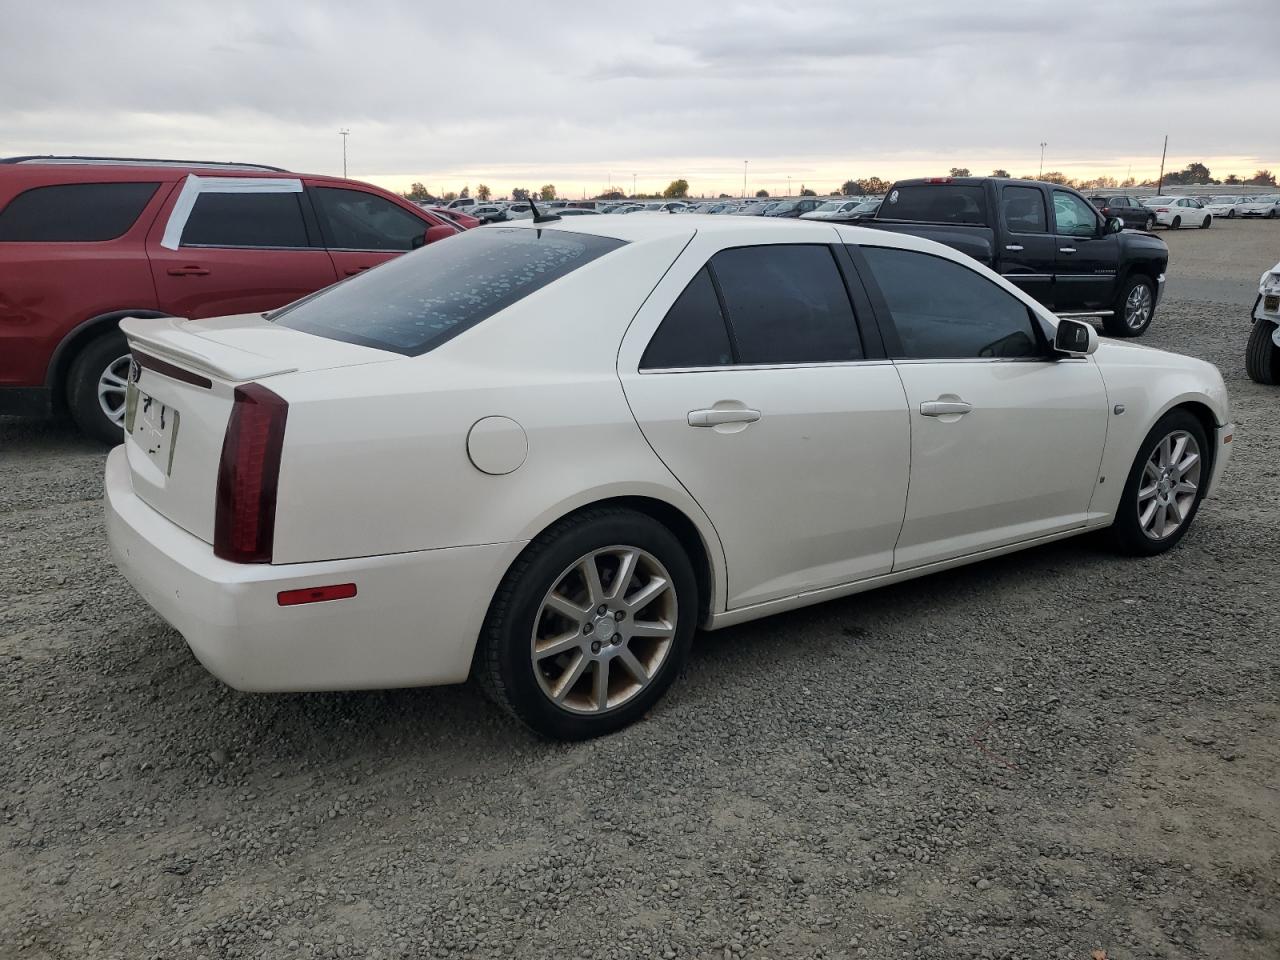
(581, 94)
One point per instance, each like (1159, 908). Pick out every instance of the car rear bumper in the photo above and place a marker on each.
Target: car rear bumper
(413, 621)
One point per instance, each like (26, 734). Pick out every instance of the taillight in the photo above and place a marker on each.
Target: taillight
(248, 473)
(938, 180)
(1162, 209)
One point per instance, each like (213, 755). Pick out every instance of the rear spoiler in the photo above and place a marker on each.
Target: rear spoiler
(164, 338)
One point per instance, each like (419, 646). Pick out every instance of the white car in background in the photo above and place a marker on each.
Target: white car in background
(1226, 208)
(1262, 355)
(544, 453)
(1264, 206)
(833, 209)
(1175, 212)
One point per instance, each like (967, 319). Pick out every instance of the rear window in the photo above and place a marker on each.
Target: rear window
(415, 303)
(74, 212)
(936, 203)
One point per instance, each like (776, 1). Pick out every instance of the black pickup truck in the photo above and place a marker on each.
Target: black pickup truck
(1047, 239)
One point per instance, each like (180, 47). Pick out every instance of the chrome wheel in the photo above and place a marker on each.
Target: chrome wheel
(604, 629)
(1137, 306)
(111, 389)
(1169, 485)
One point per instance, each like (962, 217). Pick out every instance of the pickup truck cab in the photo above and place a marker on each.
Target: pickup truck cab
(1047, 239)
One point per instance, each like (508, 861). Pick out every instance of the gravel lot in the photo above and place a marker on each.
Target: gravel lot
(1045, 755)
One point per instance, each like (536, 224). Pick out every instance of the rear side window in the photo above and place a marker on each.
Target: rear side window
(787, 304)
(692, 334)
(416, 302)
(1024, 210)
(355, 220)
(942, 310)
(74, 212)
(936, 203)
(246, 220)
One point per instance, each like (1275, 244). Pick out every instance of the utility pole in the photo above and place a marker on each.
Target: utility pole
(345, 133)
(633, 185)
(788, 186)
(1041, 173)
(744, 179)
(1163, 154)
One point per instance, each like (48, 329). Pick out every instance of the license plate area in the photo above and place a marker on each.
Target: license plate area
(153, 425)
(1271, 301)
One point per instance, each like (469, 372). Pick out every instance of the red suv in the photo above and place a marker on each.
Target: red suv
(86, 241)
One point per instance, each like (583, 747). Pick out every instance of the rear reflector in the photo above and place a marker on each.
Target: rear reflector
(337, 591)
(148, 362)
(248, 474)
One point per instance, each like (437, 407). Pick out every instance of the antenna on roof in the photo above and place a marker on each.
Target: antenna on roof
(541, 217)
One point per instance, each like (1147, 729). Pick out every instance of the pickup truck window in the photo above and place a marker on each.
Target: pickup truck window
(944, 311)
(936, 203)
(1023, 210)
(1075, 218)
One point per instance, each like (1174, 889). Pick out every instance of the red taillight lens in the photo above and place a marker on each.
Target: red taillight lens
(1162, 209)
(336, 591)
(244, 524)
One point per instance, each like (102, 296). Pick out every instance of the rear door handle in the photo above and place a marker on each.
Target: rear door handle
(352, 271)
(1066, 249)
(944, 408)
(713, 417)
(1013, 246)
(188, 271)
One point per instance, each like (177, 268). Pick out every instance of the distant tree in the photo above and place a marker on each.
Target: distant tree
(547, 191)
(466, 192)
(850, 188)
(874, 185)
(959, 171)
(762, 193)
(1231, 180)
(1192, 173)
(725, 196)
(1128, 182)
(676, 188)
(519, 193)
(483, 192)
(1053, 176)
(997, 172)
(1263, 178)
(806, 192)
(449, 197)
(419, 192)
(611, 195)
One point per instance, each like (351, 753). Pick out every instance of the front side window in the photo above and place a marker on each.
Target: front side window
(74, 212)
(355, 220)
(943, 310)
(1023, 210)
(693, 333)
(246, 220)
(1075, 218)
(414, 303)
(787, 304)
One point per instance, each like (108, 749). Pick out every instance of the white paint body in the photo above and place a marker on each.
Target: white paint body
(421, 479)
(1186, 211)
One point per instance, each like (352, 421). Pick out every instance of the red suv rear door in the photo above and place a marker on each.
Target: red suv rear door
(363, 228)
(236, 252)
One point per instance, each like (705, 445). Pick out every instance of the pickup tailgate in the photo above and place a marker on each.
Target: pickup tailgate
(182, 389)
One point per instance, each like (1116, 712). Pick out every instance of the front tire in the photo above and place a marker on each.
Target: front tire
(590, 626)
(1165, 486)
(96, 388)
(1134, 308)
(1231, 214)
(1262, 356)
(1206, 221)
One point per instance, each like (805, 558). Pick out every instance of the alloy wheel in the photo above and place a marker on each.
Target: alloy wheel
(1137, 306)
(112, 384)
(1169, 485)
(604, 629)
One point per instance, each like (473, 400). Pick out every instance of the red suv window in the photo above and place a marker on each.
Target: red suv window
(74, 212)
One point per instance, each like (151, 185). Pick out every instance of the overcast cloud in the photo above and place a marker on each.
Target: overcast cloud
(574, 93)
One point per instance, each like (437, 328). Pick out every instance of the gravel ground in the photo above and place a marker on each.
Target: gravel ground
(1045, 755)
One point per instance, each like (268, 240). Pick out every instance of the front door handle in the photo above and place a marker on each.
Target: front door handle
(352, 271)
(714, 417)
(1013, 246)
(1066, 249)
(188, 271)
(944, 408)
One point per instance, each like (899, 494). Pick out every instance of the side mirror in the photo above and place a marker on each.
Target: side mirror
(1114, 225)
(1075, 338)
(437, 232)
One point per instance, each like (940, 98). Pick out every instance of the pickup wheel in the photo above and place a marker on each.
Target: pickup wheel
(96, 387)
(1135, 306)
(1262, 356)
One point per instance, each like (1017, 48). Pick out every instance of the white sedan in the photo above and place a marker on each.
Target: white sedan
(542, 454)
(1266, 206)
(1175, 212)
(1228, 208)
(833, 209)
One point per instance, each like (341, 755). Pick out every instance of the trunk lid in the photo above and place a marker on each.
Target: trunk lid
(186, 373)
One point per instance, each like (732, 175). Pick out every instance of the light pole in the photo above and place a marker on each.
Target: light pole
(345, 133)
(633, 185)
(744, 179)
(1042, 146)
(788, 186)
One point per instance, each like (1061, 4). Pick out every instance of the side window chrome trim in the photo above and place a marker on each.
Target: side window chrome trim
(730, 367)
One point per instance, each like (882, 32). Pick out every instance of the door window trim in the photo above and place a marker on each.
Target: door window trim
(196, 185)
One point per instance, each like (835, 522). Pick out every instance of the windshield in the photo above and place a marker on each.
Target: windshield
(415, 303)
(831, 205)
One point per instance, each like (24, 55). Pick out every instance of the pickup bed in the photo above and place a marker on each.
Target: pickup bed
(1047, 239)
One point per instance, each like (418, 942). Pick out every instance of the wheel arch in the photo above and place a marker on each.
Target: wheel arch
(80, 337)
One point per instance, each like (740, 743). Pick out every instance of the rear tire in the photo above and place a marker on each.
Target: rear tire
(1150, 224)
(96, 387)
(552, 635)
(1134, 309)
(1177, 222)
(1262, 356)
(1155, 509)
